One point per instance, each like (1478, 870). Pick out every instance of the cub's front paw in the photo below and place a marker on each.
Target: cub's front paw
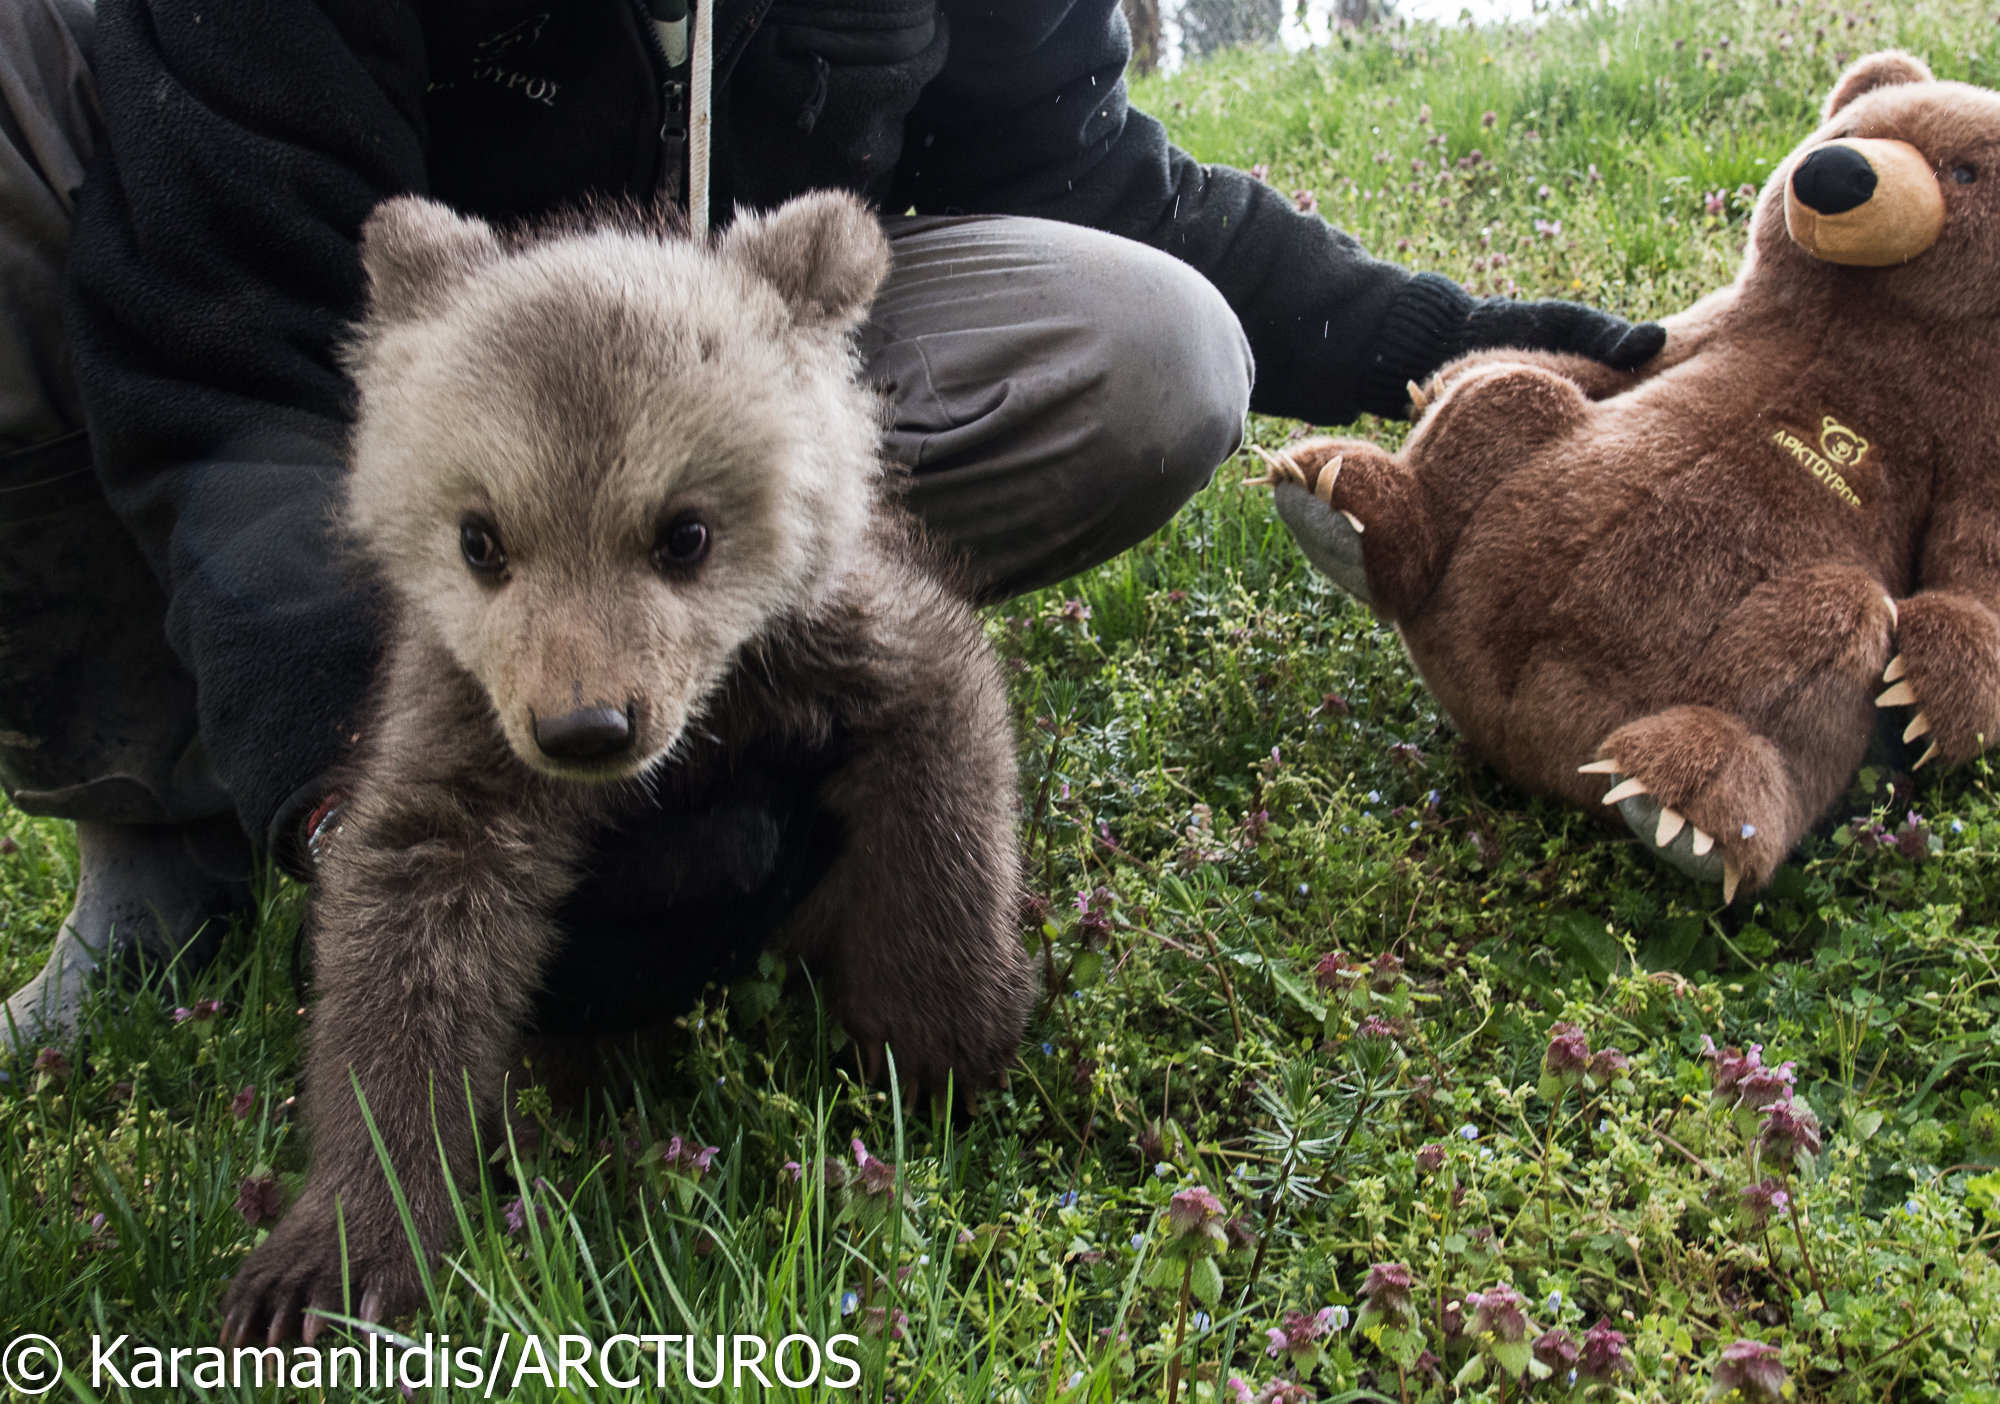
(1947, 666)
(941, 1038)
(298, 1272)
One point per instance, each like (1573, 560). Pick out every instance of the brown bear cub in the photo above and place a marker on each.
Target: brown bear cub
(625, 494)
(1687, 588)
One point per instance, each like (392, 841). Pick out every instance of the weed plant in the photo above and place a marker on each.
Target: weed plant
(1358, 1075)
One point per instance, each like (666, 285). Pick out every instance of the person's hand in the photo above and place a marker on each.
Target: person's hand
(1554, 325)
(1434, 321)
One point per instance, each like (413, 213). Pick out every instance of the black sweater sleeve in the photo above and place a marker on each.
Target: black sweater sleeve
(212, 271)
(1030, 117)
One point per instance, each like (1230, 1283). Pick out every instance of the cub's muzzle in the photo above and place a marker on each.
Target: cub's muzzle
(1863, 202)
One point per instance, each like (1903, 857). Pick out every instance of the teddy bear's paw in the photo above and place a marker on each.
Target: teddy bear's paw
(1944, 669)
(1307, 480)
(1712, 799)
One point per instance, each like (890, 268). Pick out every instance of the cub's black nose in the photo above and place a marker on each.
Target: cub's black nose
(1834, 180)
(589, 733)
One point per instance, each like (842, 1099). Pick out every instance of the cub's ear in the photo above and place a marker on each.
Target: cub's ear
(824, 253)
(414, 250)
(1872, 71)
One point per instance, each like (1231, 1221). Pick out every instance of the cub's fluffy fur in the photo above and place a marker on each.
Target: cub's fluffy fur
(1682, 594)
(539, 426)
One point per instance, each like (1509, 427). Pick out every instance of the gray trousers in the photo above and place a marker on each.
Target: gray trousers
(1057, 394)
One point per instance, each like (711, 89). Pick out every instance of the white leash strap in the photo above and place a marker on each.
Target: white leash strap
(698, 118)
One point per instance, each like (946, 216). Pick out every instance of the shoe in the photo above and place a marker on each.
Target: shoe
(149, 897)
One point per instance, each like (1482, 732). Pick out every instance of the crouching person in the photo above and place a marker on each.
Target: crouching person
(1075, 320)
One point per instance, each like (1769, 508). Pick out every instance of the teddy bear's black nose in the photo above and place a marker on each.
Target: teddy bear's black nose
(590, 733)
(1834, 180)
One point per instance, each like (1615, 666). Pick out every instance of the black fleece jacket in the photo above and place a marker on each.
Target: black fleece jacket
(213, 264)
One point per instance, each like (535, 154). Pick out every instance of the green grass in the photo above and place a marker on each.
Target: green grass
(1235, 772)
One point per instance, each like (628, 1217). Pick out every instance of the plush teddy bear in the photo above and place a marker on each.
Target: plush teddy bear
(1679, 592)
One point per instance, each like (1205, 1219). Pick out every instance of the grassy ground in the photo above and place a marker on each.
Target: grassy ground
(1231, 775)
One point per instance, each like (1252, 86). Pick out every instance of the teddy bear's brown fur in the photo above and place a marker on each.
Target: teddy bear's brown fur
(1691, 585)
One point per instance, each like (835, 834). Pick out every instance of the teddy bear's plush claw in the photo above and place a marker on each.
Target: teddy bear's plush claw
(1687, 848)
(1671, 823)
(1624, 790)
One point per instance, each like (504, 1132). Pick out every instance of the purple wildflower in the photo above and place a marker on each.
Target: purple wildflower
(1299, 1337)
(1568, 1054)
(1388, 1293)
(1195, 1217)
(876, 1319)
(1763, 1199)
(1501, 1312)
(50, 1067)
(1604, 1357)
(1737, 1077)
(201, 1012)
(1385, 972)
(260, 1199)
(1789, 1130)
(1094, 919)
(1336, 971)
(1557, 1349)
(877, 1176)
(1751, 1370)
(1606, 1066)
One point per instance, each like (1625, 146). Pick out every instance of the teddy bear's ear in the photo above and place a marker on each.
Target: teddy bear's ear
(1873, 71)
(414, 250)
(824, 252)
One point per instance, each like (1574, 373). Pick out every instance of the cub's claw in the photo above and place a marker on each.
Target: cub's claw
(1897, 667)
(1928, 756)
(1671, 823)
(1625, 790)
(1419, 401)
(1898, 696)
(1598, 767)
(1703, 842)
(1920, 725)
(1732, 874)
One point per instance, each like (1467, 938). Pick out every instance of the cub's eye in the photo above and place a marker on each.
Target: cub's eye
(683, 542)
(1964, 175)
(481, 546)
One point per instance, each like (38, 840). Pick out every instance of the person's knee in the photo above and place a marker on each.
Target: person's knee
(1176, 369)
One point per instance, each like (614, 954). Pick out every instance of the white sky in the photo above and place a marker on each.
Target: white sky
(1441, 11)
(1297, 36)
